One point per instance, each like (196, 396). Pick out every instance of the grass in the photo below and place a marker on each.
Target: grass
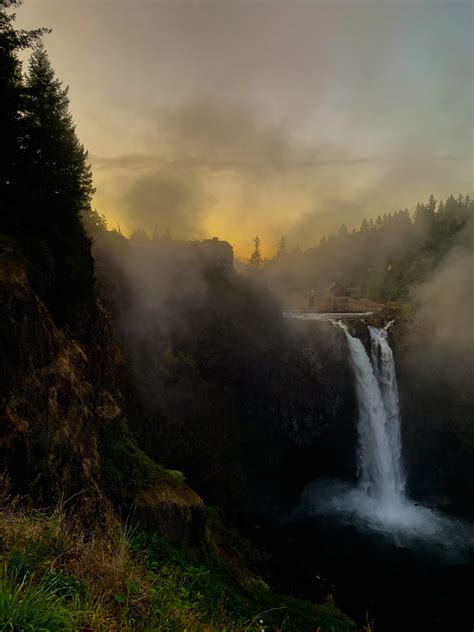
(58, 575)
(27, 604)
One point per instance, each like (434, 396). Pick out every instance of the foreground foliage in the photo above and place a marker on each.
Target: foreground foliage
(58, 575)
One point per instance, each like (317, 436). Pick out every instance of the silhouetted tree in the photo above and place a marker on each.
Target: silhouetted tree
(139, 235)
(282, 247)
(59, 180)
(256, 257)
(13, 149)
(342, 232)
(45, 182)
(94, 222)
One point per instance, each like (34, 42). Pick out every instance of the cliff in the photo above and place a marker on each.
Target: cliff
(60, 395)
(249, 405)
(66, 448)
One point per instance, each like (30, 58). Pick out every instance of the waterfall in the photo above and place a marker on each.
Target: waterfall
(384, 367)
(379, 449)
(378, 501)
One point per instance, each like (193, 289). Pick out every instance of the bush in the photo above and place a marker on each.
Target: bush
(125, 467)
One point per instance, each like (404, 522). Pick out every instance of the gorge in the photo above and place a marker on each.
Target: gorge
(182, 447)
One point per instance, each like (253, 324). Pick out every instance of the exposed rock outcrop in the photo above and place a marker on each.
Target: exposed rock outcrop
(174, 511)
(50, 412)
(57, 395)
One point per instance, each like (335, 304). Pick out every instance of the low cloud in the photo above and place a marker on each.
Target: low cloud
(446, 300)
(210, 166)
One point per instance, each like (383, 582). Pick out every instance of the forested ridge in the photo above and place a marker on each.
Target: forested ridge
(383, 258)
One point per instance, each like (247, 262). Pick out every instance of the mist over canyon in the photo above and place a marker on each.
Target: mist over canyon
(236, 353)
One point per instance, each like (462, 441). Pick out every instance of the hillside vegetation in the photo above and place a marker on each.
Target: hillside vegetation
(381, 260)
(57, 574)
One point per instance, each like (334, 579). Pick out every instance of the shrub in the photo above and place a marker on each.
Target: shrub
(125, 467)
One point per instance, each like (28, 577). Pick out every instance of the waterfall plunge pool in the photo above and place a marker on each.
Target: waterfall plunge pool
(413, 574)
(383, 557)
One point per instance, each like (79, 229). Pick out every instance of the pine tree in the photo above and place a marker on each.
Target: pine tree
(139, 235)
(364, 227)
(431, 206)
(282, 247)
(256, 257)
(13, 151)
(342, 232)
(61, 175)
(59, 187)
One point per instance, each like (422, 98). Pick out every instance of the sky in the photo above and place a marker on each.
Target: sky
(234, 119)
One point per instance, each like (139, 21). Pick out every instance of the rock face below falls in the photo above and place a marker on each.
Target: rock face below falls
(266, 415)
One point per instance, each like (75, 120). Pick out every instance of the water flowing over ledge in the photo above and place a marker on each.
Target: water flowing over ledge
(329, 316)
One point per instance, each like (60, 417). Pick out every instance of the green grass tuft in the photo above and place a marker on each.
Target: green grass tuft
(43, 606)
(57, 575)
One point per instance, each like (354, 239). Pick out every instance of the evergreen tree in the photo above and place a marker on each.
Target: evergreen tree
(61, 177)
(60, 186)
(94, 222)
(282, 247)
(364, 227)
(342, 232)
(139, 235)
(431, 206)
(13, 150)
(256, 257)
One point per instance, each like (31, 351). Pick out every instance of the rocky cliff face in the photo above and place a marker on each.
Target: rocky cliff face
(57, 395)
(51, 408)
(253, 416)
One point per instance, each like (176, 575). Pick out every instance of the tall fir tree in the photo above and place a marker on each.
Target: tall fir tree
(60, 189)
(60, 175)
(256, 257)
(282, 250)
(13, 149)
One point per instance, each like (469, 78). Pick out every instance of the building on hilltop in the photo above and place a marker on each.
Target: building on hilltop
(216, 252)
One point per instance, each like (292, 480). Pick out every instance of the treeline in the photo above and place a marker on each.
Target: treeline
(381, 259)
(45, 180)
